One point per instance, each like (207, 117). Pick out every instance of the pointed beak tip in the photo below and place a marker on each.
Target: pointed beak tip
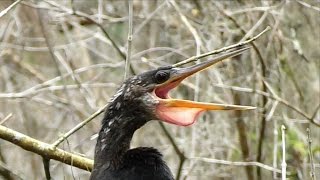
(250, 108)
(240, 108)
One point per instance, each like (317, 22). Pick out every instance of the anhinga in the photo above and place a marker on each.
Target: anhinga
(142, 98)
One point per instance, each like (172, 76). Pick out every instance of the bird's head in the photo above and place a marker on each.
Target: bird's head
(150, 91)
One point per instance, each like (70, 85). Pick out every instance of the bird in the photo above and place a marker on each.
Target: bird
(140, 99)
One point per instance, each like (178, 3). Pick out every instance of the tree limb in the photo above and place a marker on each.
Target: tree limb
(44, 149)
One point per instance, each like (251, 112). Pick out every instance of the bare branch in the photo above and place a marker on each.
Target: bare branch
(180, 154)
(5, 11)
(235, 163)
(46, 167)
(79, 126)
(275, 147)
(44, 149)
(312, 170)
(194, 58)
(308, 5)
(8, 174)
(277, 98)
(6, 118)
(129, 40)
(48, 84)
(283, 164)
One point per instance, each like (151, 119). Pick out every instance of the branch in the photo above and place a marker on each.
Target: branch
(129, 40)
(263, 87)
(89, 18)
(273, 97)
(242, 137)
(315, 111)
(6, 118)
(46, 167)
(180, 154)
(283, 164)
(47, 85)
(232, 163)
(312, 170)
(60, 8)
(5, 11)
(79, 126)
(8, 57)
(198, 44)
(44, 149)
(275, 147)
(8, 174)
(194, 58)
(302, 113)
(308, 5)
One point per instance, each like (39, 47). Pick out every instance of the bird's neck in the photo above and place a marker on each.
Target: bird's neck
(115, 135)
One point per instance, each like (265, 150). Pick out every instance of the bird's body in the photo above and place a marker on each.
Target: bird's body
(138, 164)
(140, 99)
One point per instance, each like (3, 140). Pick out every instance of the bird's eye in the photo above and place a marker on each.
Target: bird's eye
(161, 76)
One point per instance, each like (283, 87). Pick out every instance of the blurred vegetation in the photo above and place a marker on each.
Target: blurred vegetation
(43, 40)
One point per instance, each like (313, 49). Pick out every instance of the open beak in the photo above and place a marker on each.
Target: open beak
(185, 112)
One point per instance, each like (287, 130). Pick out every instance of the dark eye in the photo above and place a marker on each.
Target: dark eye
(162, 76)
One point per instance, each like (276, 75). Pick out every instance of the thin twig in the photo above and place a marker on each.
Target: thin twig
(44, 149)
(308, 5)
(79, 126)
(263, 87)
(304, 114)
(107, 35)
(129, 40)
(43, 25)
(198, 44)
(180, 167)
(9, 174)
(5, 11)
(275, 147)
(312, 170)
(233, 163)
(8, 57)
(149, 18)
(180, 154)
(87, 17)
(283, 164)
(6, 118)
(46, 167)
(35, 89)
(315, 111)
(83, 90)
(276, 98)
(257, 24)
(72, 5)
(102, 16)
(194, 58)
